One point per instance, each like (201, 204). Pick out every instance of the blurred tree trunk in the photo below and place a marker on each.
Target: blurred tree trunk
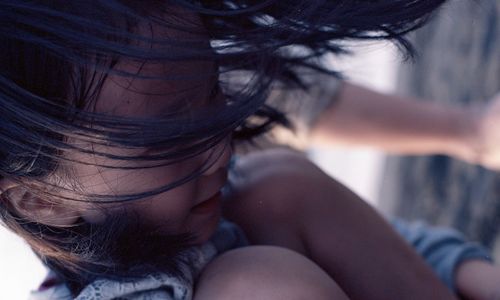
(458, 61)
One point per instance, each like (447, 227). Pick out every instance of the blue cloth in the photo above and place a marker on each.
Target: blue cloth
(444, 249)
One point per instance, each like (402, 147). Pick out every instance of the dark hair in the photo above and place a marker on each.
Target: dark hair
(55, 55)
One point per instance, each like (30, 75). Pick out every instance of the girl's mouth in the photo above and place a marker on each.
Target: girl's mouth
(208, 205)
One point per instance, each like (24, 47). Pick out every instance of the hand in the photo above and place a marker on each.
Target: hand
(484, 142)
(478, 280)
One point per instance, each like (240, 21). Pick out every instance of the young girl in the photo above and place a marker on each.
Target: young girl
(117, 125)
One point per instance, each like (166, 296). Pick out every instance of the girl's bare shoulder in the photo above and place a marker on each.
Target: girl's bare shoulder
(271, 193)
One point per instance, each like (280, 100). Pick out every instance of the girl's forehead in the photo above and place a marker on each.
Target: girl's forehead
(156, 87)
(168, 86)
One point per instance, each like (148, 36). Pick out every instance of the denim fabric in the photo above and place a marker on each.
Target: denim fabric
(442, 248)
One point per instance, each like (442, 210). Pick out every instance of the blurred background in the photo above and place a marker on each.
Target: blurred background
(458, 61)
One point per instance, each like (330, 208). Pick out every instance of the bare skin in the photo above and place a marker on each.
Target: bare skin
(265, 273)
(478, 280)
(402, 125)
(285, 200)
(282, 199)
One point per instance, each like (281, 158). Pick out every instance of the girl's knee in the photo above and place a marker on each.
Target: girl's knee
(265, 272)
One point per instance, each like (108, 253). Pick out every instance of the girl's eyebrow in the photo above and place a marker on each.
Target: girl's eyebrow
(212, 91)
(186, 102)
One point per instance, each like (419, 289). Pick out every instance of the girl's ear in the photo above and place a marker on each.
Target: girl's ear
(35, 209)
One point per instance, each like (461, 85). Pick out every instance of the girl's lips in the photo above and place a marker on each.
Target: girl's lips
(207, 206)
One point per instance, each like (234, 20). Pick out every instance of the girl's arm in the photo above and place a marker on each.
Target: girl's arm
(362, 117)
(478, 280)
(282, 199)
(465, 267)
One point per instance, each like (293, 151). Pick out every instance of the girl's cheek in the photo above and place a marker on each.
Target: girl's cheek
(171, 208)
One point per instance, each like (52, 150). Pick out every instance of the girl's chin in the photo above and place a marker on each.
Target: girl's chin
(204, 230)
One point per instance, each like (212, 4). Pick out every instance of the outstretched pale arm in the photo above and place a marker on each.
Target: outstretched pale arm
(362, 117)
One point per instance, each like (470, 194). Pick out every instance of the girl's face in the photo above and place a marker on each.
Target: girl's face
(193, 207)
